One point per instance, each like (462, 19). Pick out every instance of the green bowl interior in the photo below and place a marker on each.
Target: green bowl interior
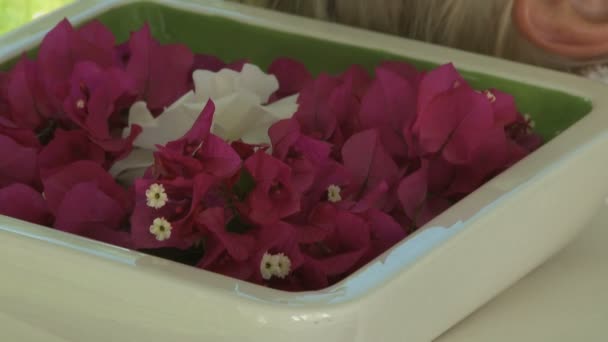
(553, 111)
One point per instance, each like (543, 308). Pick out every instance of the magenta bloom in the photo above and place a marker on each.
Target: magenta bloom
(274, 196)
(87, 201)
(369, 163)
(18, 156)
(314, 115)
(344, 248)
(185, 199)
(226, 252)
(97, 96)
(303, 154)
(197, 151)
(162, 73)
(292, 76)
(63, 47)
(22, 202)
(453, 122)
(68, 147)
(28, 103)
(390, 107)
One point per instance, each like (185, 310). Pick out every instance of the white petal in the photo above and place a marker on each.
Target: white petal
(253, 79)
(133, 166)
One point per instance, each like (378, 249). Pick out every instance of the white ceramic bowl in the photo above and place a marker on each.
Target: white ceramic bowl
(60, 287)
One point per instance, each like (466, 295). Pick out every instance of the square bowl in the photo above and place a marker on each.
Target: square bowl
(60, 287)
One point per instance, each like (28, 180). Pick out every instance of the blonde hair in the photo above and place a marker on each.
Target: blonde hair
(483, 26)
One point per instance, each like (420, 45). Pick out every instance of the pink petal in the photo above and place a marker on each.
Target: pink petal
(18, 164)
(68, 147)
(162, 73)
(389, 106)
(367, 161)
(58, 184)
(412, 191)
(24, 203)
(238, 246)
(292, 76)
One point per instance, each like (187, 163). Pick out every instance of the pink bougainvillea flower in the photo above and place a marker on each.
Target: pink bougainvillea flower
(405, 70)
(58, 184)
(87, 201)
(435, 82)
(313, 113)
(18, 156)
(22, 202)
(292, 76)
(385, 233)
(29, 104)
(349, 241)
(177, 202)
(303, 154)
(368, 162)
(97, 97)
(345, 101)
(451, 124)
(274, 196)
(63, 47)
(198, 151)
(162, 73)
(237, 246)
(390, 106)
(68, 147)
(88, 211)
(412, 191)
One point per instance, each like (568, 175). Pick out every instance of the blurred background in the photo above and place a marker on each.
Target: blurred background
(14, 13)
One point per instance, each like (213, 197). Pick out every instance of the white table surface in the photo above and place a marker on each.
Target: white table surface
(564, 300)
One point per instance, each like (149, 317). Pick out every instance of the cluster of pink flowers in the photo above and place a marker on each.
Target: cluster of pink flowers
(363, 162)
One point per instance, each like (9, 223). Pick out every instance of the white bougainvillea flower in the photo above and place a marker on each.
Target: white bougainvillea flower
(240, 112)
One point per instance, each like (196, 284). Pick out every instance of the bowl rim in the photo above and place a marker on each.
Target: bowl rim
(409, 253)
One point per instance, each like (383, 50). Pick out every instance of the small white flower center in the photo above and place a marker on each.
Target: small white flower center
(275, 265)
(282, 265)
(333, 193)
(529, 121)
(490, 96)
(161, 228)
(156, 197)
(267, 266)
(80, 104)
